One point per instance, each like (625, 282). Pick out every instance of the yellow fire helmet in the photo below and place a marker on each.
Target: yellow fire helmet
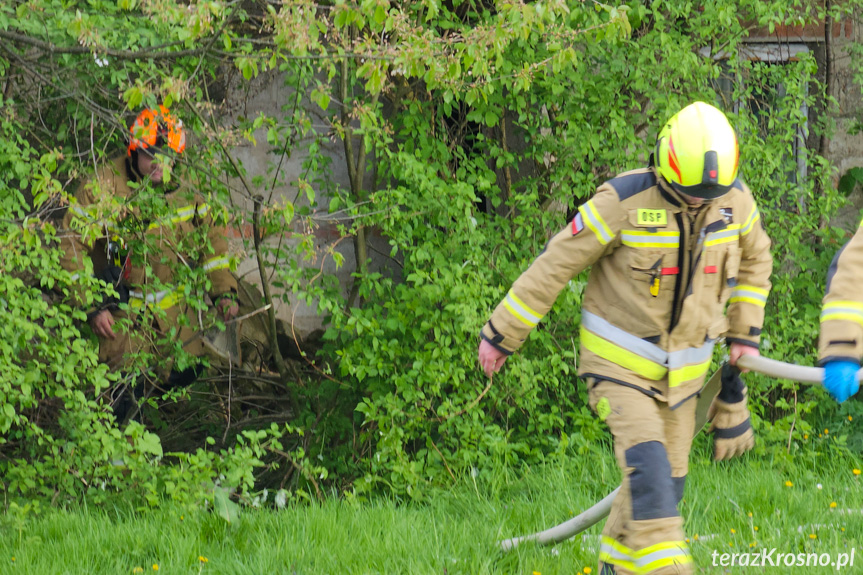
(696, 152)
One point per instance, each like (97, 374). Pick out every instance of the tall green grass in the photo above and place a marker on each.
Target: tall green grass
(742, 505)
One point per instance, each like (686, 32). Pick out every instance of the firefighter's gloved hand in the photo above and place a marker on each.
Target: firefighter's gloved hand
(729, 416)
(840, 379)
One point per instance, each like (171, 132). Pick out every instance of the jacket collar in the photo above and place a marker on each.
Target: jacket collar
(673, 197)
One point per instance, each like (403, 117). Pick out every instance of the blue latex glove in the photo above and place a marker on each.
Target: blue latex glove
(840, 379)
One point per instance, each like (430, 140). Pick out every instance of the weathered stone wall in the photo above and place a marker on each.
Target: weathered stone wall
(269, 95)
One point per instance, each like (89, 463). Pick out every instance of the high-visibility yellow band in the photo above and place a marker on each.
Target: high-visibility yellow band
(183, 214)
(164, 299)
(844, 304)
(750, 221)
(760, 291)
(644, 239)
(621, 356)
(842, 317)
(681, 559)
(728, 235)
(615, 553)
(749, 294)
(663, 546)
(216, 263)
(843, 310)
(520, 310)
(660, 555)
(688, 373)
(595, 222)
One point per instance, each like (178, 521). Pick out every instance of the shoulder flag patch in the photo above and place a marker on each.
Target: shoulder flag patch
(577, 223)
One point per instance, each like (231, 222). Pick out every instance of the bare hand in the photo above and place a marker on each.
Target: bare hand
(738, 349)
(102, 324)
(490, 358)
(228, 308)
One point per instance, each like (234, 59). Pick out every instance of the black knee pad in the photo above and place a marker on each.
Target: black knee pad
(653, 491)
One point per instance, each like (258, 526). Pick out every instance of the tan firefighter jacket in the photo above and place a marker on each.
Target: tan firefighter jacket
(662, 274)
(842, 311)
(167, 242)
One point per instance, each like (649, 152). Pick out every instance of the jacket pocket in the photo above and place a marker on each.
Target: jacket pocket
(732, 268)
(646, 265)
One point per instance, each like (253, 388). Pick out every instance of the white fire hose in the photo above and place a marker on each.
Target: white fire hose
(763, 365)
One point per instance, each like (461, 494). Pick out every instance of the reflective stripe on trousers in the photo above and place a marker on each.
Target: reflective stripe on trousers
(644, 561)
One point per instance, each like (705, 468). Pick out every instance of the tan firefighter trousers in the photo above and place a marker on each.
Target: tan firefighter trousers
(644, 531)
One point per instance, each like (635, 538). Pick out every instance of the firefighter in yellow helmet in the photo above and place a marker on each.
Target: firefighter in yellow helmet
(670, 246)
(155, 300)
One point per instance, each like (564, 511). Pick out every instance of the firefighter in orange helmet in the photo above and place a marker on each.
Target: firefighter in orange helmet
(670, 247)
(145, 282)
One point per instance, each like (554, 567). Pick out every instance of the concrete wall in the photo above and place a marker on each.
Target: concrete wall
(269, 95)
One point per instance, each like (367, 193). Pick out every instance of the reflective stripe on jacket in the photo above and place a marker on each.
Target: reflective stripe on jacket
(842, 309)
(662, 275)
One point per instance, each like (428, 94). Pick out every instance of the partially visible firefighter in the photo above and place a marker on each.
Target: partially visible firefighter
(159, 226)
(670, 246)
(841, 341)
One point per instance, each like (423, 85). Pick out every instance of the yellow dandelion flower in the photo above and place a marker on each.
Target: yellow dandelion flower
(850, 418)
(826, 432)
(696, 537)
(687, 539)
(832, 505)
(856, 472)
(155, 567)
(789, 484)
(805, 436)
(182, 517)
(813, 536)
(13, 559)
(537, 573)
(730, 544)
(733, 531)
(749, 514)
(843, 530)
(752, 544)
(755, 527)
(203, 559)
(588, 571)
